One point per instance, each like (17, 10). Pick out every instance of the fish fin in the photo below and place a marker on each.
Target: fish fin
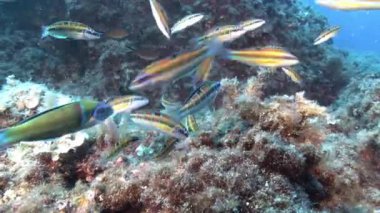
(216, 48)
(45, 32)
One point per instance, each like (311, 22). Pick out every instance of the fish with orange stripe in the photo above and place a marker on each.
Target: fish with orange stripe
(267, 57)
(326, 35)
(350, 4)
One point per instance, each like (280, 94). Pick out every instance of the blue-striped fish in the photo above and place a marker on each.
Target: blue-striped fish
(326, 35)
(191, 123)
(160, 17)
(266, 57)
(159, 122)
(168, 69)
(70, 30)
(198, 99)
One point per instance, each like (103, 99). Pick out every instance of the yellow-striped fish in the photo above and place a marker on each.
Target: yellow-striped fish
(121, 145)
(267, 57)
(168, 69)
(159, 122)
(70, 30)
(127, 104)
(191, 124)
(326, 35)
(350, 4)
(168, 146)
(203, 71)
(293, 75)
(160, 17)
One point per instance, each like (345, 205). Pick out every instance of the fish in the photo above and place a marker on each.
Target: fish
(58, 121)
(169, 104)
(191, 123)
(160, 122)
(201, 97)
(251, 24)
(117, 34)
(169, 69)
(168, 146)
(121, 145)
(350, 4)
(326, 35)
(70, 30)
(226, 33)
(292, 74)
(266, 57)
(203, 71)
(186, 22)
(160, 17)
(126, 104)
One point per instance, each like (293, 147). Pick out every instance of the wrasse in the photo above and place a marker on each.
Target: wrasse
(350, 4)
(70, 30)
(326, 35)
(127, 104)
(203, 71)
(252, 24)
(56, 122)
(168, 69)
(160, 17)
(191, 124)
(159, 122)
(293, 75)
(186, 22)
(168, 146)
(198, 99)
(120, 146)
(226, 33)
(267, 57)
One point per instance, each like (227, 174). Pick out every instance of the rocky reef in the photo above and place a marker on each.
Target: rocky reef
(270, 145)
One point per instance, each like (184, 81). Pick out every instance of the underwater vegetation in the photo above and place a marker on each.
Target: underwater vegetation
(250, 109)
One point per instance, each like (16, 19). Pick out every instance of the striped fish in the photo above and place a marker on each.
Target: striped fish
(127, 104)
(168, 69)
(293, 75)
(191, 124)
(267, 57)
(186, 22)
(203, 71)
(70, 30)
(326, 35)
(160, 17)
(168, 146)
(251, 24)
(159, 122)
(226, 33)
(350, 4)
(198, 99)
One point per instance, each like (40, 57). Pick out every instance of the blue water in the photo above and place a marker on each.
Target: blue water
(360, 29)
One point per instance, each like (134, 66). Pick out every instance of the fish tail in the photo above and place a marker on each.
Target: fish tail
(45, 32)
(5, 140)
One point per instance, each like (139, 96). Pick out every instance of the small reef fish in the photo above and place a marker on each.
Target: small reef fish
(191, 123)
(160, 17)
(326, 35)
(127, 104)
(117, 34)
(251, 24)
(169, 104)
(168, 69)
(169, 146)
(266, 57)
(120, 146)
(198, 99)
(203, 71)
(186, 22)
(56, 122)
(159, 122)
(70, 30)
(292, 74)
(350, 4)
(226, 33)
